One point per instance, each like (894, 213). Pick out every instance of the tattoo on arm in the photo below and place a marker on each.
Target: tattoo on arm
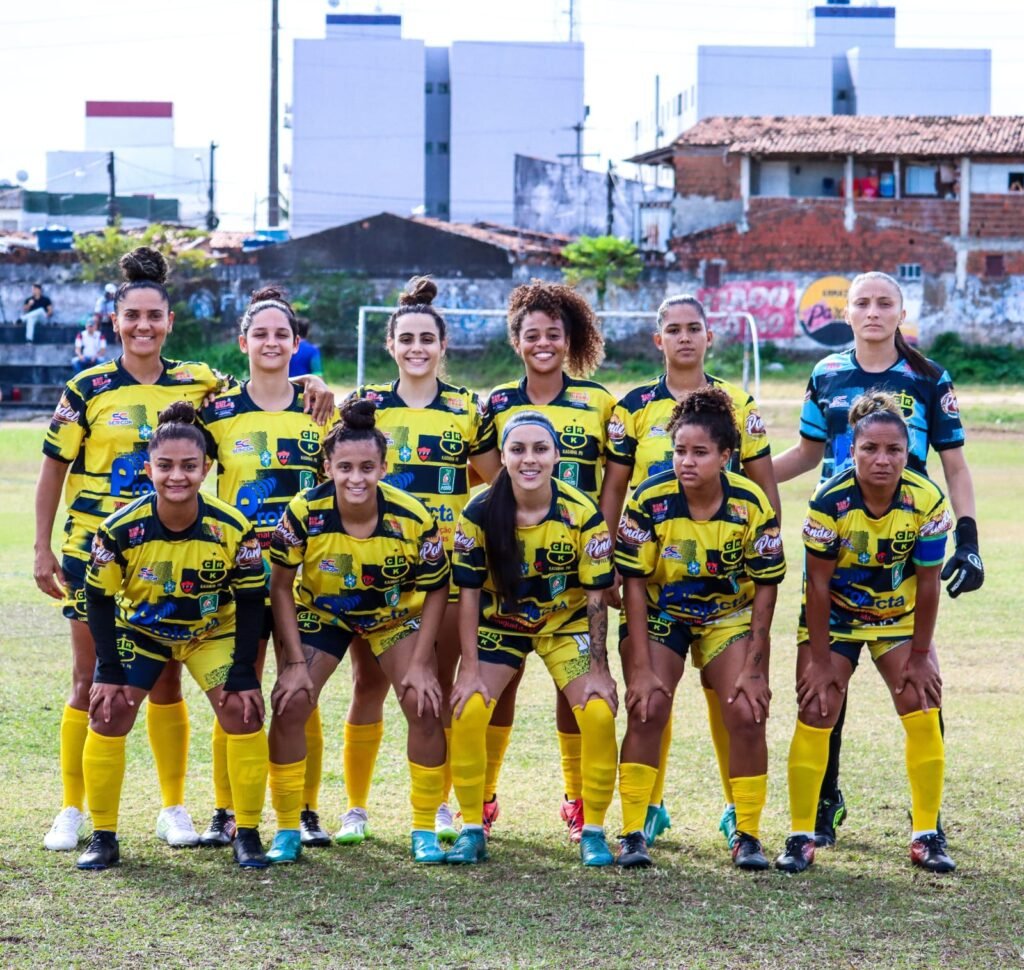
(597, 616)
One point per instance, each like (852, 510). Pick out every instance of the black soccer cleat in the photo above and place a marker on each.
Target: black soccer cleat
(748, 854)
(221, 829)
(633, 852)
(798, 856)
(929, 852)
(311, 831)
(102, 852)
(831, 813)
(249, 849)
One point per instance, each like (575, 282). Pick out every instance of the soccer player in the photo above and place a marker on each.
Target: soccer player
(700, 552)
(639, 446)
(175, 575)
(882, 359)
(532, 558)
(874, 536)
(374, 566)
(267, 449)
(555, 333)
(434, 431)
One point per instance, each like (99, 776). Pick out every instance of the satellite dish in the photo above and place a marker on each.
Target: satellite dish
(21, 175)
(332, 3)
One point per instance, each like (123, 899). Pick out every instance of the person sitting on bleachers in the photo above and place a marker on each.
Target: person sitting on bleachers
(36, 309)
(90, 345)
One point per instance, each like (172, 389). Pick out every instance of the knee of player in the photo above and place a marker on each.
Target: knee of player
(659, 709)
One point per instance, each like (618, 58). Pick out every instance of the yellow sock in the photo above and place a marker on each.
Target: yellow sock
(248, 757)
(571, 748)
(599, 758)
(74, 726)
(362, 742)
(497, 744)
(286, 793)
(808, 758)
(221, 781)
(447, 781)
(720, 740)
(469, 757)
(103, 768)
(426, 793)
(314, 760)
(635, 782)
(926, 764)
(657, 795)
(168, 729)
(750, 792)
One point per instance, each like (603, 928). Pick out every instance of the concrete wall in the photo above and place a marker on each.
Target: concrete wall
(908, 81)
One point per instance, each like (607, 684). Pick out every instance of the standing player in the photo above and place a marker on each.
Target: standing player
(175, 575)
(700, 554)
(883, 360)
(875, 536)
(639, 446)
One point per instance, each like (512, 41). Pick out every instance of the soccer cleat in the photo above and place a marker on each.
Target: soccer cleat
(426, 848)
(286, 847)
(929, 852)
(248, 849)
(633, 852)
(658, 820)
(355, 827)
(571, 813)
(174, 826)
(66, 831)
(221, 829)
(594, 849)
(102, 852)
(747, 853)
(798, 856)
(310, 831)
(831, 812)
(727, 825)
(470, 847)
(444, 824)
(491, 812)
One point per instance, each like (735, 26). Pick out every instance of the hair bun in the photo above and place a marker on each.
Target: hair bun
(872, 401)
(359, 415)
(180, 412)
(706, 400)
(144, 265)
(419, 291)
(268, 293)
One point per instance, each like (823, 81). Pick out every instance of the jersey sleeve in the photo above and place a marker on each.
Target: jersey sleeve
(248, 572)
(68, 427)
(765, 559)
(621, 446)
(469, 555)
(812, 419)
(597, 564)
(105, 573)
(485, 437)
(930, 547)
(945, 429)
(288, 543)
(636, 550)
(753, 433)
(820, 535)
(432, 569)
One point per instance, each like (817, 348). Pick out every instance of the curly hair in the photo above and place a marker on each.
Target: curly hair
(709, 408)
(560, 302)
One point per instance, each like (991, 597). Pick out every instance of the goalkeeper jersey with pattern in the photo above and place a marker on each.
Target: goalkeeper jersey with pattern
(874, 586)
(699, 571)
(361, 585)
(567, 553)
(178, 588)
(638, 430)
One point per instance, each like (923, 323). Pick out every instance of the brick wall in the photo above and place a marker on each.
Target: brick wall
(708, 173)
(997, 216)
(940, 216)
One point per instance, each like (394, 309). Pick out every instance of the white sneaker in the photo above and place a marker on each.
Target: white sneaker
(444, 824)
(66, 831)
(355, 827)
(174, 826)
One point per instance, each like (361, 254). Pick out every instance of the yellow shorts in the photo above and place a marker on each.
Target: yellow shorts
(208, 661)
(704, 642)
(566, 655)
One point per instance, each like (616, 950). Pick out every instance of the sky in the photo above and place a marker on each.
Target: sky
(212, 59)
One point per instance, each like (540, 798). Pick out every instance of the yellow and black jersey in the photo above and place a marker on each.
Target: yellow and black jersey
(428, 448)
(699, 571)
(264, 458)
(638, 429)
(360, 585)
(579, 415)
(102, 427)
(177, 588)
(874, 587)
(569, 552)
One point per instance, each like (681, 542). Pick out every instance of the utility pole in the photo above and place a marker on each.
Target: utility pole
(657, 111)
(112, 196)
(610, 222)
(211, 214)
(274, 202)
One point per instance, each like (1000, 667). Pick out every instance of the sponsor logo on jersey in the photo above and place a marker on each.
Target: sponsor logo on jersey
(463, 542)
(840, 402)
(184, 376)
(374, 396)
(657, 431)
(432, 550)
(187, 586)
(737, 511)
(454, 402)
(556, 584)
(768, 543)
(897, 574)
(224, 406)
(214, 529)
(499, 400)
(647, 397)
(941, 523)
(349, 580)
(282, 456)
(672, 552)
(64, 413)
(392, 596)
(404, 453)
(599, 546)
(243, 447)
(842, 506)
(569, 472)
(136, 534)
(285, 532)
(815, 531)
(442, 513)
(119, 419)
(208, 603)
(579, 398)
(101, 555)
(631, 532)
(148, 575)
(389, 438)
(329, 566)
(145, 431)
(315, 525)
(659, 510)
(949, 404)
(306, 480)
(755, 425)
(616, 429)
(446, 481)
(249, 553)
(101, 383)
(423, 452)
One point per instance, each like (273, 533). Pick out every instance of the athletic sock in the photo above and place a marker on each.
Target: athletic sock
(314, 760)
(926, 762)
(103, 768)
(808, 754)
(635, 783)
(426, 792)
(599, 759)
(74, 727)
(221, 781)
(498, 736)
(657, 795)
(571, 747)
(359, 757)
(168, 729)
(720, 740)
(469, 757)
(286, 793)
(751, 792)
(248, 759)
(830, 783)
(447, 782)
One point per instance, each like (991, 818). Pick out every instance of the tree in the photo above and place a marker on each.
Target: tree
(604, 260)
(100, 251)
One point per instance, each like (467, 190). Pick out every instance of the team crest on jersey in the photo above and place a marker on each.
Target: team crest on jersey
(903, 542)
(599, 546)
(573, 437)
(616, 429)
(125, 651)
(949, 404)
(446, 481)
(208, 603)
(561, 553)
(309, 443)
(463, 543)
(214, 570)
(569, 472)
(308, 621)
(423, 453)
(404, 453)
(119, 419)
(394, 568)
(451, 443)
(64, 412)
(659, 627)
(732, 551)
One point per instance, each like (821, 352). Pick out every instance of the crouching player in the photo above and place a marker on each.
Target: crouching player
(175, 575)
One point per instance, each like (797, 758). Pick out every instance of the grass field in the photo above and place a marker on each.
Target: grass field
(861, 905)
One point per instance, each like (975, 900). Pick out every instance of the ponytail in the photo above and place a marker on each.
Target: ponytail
(919, 364)
(504, 558)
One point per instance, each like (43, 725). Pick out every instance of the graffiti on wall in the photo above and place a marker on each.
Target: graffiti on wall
(821, 311)
(772, 304)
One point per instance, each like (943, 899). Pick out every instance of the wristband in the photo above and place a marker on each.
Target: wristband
(924, 652)
(966, 532)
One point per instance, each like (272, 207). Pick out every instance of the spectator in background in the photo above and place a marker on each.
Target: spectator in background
(106, 308)
(306, 359)
(90, 345)
(35, 309)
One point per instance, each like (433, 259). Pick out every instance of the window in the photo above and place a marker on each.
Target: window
(430, 87)
(442, 148)
(712, 275)
(995, 267)
(428, 148)
(921, 180)
(679, 104)
(909, 271)
(443, 208)
(442, 87)
(1015, 182)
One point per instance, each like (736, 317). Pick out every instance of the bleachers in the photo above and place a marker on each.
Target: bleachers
(33, 375)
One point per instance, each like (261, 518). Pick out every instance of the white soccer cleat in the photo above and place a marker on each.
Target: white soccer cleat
(66, 831)
(174, 826)
(355, 827)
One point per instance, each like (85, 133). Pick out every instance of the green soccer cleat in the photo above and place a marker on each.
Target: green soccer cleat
(658, 820)
(470, 848)
(355, 827)
(594, 849)
(286, 847)
(444, 824)
(426, 848)
(727, 825)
